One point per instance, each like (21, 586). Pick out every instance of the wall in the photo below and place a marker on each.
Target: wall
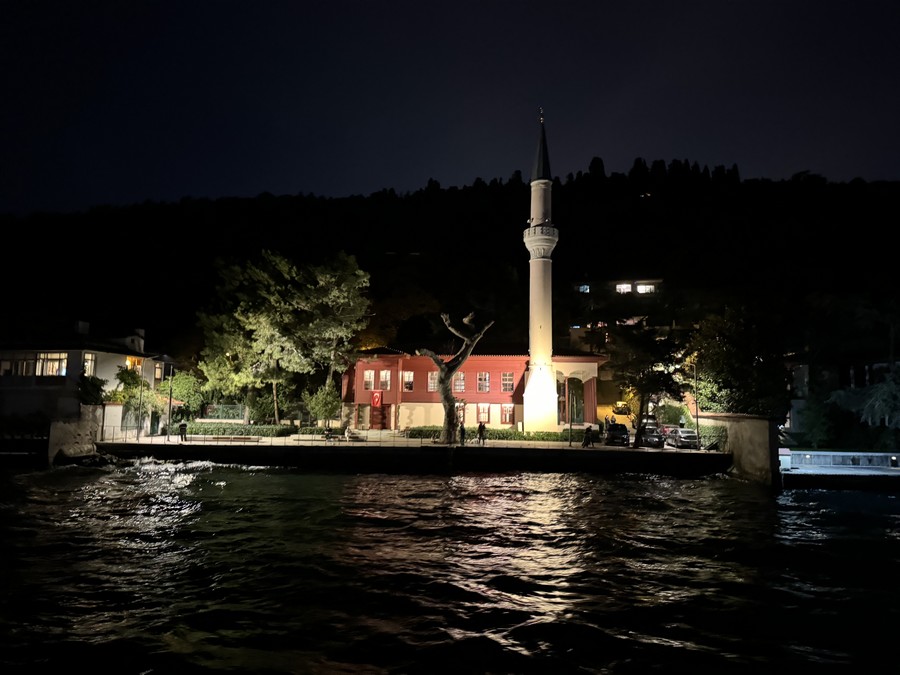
(73, 438)
(753, 443)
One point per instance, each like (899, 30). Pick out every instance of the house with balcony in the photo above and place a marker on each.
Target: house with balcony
(40, 371)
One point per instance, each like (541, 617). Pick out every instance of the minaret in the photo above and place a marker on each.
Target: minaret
(540, 398)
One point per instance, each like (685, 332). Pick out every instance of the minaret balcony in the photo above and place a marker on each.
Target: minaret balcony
(540, 240)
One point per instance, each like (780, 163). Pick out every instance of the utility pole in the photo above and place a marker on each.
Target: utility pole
(140, 424)
(697, 406)
(169, 421)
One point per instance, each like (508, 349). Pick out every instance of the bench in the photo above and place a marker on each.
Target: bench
(340, 437)
(234, 439)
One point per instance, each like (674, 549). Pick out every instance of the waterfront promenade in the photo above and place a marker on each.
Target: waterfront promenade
(391, 453)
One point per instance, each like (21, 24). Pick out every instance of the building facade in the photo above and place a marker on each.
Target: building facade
(391, 390)
(40, 375)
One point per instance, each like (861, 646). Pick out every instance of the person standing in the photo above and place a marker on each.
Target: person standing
(482, 433)
(462, 433)
(182, 432)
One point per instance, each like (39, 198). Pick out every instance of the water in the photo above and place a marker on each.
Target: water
(197, 568)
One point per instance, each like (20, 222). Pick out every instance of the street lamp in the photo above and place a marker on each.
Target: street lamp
(169, 419)
(697, 405)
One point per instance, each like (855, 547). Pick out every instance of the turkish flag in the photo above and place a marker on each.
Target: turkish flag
(376, 399)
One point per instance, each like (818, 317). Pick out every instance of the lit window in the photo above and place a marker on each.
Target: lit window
(433, 380)
(158, 372)
(646, 288)
(90, 364)
(507, 413)
(459, 382)
(584, 288)
(134, 363)
(623, 288)
(484, 412)
(368, 380)
(52, 364)
(384, 380)
(506, 382)
(484, 382)
(461, 412)
(407, 380)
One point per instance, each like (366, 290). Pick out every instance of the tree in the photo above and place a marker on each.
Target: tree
(644, 362)
(877, 405)
(135, 395)
(741, 359)
(185, 387)
(90, 389)
(875, 324)
(470, 335)
(275, 320)
(324, 404)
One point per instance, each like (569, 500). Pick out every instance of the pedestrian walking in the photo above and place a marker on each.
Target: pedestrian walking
(588, 440)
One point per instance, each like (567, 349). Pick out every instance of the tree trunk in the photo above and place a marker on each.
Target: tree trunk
(275, 399)
(447, 369)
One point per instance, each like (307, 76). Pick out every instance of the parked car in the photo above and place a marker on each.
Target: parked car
(646, 421)
(621, 408)
(617, 434)
(664, 429)
(651, 437)
(683, 438)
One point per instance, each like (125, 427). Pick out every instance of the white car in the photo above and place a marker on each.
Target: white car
(683, 438)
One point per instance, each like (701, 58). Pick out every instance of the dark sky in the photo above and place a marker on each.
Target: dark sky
(126, 101)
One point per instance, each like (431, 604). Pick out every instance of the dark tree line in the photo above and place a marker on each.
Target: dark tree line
(461, 249)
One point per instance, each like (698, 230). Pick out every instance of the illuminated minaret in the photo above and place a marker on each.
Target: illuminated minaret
(540, 398)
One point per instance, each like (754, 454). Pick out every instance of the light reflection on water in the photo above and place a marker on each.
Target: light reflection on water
(182, 568)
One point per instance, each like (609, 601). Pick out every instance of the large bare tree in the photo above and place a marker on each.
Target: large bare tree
(470, 335)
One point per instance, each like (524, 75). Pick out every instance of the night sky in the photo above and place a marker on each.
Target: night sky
(121, 102)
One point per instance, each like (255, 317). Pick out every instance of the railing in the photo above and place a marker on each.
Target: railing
(371, 437)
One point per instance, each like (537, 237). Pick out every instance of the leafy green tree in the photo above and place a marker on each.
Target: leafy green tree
(470, 335)
(275, 320)
(90, 389)
(135, 395)
(644, 362)
(186, 388)
(324, 404)
(740, 356)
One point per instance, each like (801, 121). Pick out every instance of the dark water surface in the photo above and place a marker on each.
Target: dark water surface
(198, 568)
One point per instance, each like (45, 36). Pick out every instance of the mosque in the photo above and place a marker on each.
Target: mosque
(537, 391)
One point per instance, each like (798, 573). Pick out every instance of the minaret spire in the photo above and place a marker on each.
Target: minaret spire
(541, 168)
(540, 398)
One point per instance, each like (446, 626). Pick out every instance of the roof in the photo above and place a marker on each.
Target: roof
(541, 169)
